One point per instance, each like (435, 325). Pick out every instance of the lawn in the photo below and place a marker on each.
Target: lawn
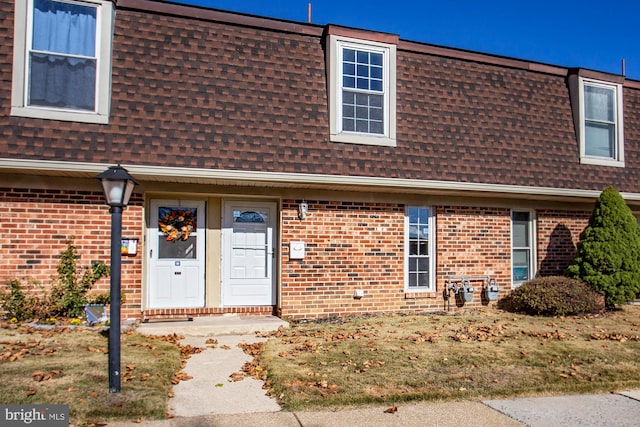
(64, 366)
(470, 355)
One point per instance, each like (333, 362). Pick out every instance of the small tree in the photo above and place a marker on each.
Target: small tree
(608, 253)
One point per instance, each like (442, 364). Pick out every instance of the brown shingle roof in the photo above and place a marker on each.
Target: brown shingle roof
(195, 88)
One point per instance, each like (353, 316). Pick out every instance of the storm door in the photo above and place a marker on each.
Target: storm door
(176, 236)
(248, 253)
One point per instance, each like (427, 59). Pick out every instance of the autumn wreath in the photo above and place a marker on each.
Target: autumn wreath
(177, 224)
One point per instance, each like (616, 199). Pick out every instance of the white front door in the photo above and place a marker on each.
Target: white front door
(248, 254)
(176, 236)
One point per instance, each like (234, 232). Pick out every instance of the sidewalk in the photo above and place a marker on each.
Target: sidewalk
(210, 399)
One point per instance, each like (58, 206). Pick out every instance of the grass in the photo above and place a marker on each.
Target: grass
(64, 366)
(472, 355)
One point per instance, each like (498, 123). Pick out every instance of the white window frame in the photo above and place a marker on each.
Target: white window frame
(532, 245)
(431, 248)
(22, 37)
(618, 159)
(335, 49)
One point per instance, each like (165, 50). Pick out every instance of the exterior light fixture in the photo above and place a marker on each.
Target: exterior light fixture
(117, 185)
(302, 210)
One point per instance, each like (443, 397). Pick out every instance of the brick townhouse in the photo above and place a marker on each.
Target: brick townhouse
(290, 168)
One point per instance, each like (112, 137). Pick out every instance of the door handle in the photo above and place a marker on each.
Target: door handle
(150, 253)
(178, 273)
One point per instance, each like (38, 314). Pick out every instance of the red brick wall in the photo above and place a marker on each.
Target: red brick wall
(348, 246)
(361, 246)
(558, 236)
(474, 241)
(35, 225)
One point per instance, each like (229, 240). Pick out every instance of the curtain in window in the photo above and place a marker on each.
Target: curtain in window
(63, 55)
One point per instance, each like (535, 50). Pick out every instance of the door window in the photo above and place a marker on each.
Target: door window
(179, 232)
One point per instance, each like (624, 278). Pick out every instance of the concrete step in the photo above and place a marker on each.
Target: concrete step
(211, 326)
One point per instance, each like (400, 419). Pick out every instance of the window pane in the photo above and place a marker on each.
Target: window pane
(376, 72)
(599, 103)
(64, 28)
(349, 111)
(423, 264)
(376, 85)
(376, 115)
(521, 265)
(348, 97)
(349, 69)
(599, 139)
(349, 125)
(362, 126)
(349, 82)
(349, 55)
(413, 215)
(413, 247)
(376, 127)
(376, 59)
(363, 83)
(363, 57)
(64, 82)
(363, 71)
(520, 234)
(423, 280)
(413, 280)
(423, 247)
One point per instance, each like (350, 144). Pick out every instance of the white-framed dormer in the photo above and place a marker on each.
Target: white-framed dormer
(62, 60)
(597, 103)
(362, 87)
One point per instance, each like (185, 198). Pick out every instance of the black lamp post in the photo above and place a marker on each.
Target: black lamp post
(117, 185)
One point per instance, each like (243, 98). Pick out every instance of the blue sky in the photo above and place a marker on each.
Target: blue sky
(590, 34)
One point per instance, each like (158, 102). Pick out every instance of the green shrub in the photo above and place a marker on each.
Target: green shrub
(69, 292)
(18, 304)
(608, 253)
(553, 296)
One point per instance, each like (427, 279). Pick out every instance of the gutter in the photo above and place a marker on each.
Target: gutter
(298, 180)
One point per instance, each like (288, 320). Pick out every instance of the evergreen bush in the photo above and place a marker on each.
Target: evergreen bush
(608, 253)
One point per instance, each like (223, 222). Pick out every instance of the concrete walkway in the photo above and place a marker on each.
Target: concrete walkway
(210, 399)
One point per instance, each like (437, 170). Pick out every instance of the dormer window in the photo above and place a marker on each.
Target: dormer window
(62, 60)
(361, 89)
(601, 131)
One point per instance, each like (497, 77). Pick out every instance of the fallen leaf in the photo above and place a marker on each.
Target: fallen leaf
(391, 410)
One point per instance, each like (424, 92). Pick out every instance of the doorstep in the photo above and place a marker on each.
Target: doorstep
(217, 325)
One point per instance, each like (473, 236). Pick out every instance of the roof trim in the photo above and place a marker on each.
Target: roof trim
(208, 14)
(161, 173)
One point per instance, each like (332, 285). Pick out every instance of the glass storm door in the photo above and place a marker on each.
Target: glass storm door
(248, 256)
(176, 235)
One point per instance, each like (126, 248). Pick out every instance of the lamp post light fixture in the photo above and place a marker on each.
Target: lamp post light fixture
(117, 185)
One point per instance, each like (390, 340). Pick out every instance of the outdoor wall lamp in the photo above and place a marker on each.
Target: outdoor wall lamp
(117, 185)
(302, 210)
